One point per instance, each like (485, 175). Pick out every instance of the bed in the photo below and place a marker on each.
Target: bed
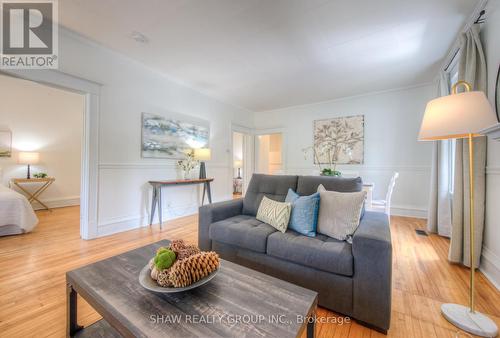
(16, 214)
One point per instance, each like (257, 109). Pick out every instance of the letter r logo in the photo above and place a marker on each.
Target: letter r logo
(27, 28)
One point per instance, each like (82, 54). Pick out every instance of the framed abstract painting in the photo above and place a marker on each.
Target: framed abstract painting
(164, 137)
(5, 143)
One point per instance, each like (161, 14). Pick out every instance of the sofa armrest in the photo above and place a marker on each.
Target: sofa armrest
(372, 252)
(212, 213)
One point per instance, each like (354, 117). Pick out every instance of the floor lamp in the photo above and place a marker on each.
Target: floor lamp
(462, 115)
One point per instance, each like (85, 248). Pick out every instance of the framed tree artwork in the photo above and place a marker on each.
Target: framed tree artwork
(339, 140)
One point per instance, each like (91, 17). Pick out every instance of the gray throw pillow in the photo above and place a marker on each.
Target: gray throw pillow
(339, 212)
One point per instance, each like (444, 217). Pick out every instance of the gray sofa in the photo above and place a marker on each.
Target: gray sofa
(352, 279)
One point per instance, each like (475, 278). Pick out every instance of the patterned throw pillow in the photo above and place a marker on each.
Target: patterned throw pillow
(339, 212)
(304, 217)
(276, 214)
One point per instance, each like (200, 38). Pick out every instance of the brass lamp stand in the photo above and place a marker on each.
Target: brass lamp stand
(462, 115)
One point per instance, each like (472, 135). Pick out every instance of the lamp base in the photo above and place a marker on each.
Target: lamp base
(203, 171)
(475, 323)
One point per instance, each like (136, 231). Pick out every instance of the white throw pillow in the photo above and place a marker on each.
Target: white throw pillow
(276, 214)
(339, 212)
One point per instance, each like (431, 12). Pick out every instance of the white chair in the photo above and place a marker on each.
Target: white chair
(385, 205)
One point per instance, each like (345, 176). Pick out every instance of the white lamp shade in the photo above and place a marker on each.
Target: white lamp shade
(456, 116)
(25, 157)
(238, 163)
(202, 154)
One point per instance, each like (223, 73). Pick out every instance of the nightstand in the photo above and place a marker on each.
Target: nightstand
(43, 183)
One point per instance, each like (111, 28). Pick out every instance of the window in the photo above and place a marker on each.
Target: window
(453, 78)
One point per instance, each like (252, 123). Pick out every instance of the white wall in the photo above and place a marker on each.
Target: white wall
(490, 260)
(49, 121)
(392, 122)
(128, 89)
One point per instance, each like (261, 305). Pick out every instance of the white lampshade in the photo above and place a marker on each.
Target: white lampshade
(26, 157)
(238, 163)
(456, 116)
(202, 154)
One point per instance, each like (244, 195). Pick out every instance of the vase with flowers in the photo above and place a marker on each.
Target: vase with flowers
(187, 164)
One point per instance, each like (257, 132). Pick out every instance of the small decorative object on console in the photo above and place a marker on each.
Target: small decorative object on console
(40, 175)
(188, 164)
(179, 265)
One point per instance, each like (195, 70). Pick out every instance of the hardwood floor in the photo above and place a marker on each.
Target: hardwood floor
(32, 282)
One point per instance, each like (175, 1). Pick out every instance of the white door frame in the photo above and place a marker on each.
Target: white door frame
(268, 131)
(90, 140)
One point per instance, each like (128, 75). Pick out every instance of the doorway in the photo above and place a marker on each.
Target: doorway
(45, 125)
(242, 160)
(269, 153)
(89, 147)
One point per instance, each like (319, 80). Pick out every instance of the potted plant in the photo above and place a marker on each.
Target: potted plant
(330, 169)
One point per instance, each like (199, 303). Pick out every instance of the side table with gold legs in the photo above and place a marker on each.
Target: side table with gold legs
(32, 196)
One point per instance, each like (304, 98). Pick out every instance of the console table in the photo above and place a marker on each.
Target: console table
(157, 185)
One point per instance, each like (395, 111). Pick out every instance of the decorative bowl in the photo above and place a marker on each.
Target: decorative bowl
(150, 284)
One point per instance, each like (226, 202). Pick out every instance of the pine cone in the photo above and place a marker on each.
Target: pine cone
(177, 245)
(163, 278)
(190, 270)
(188, 251)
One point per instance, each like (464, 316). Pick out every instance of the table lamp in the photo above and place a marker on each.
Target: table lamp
(238, 164)
(202, 155)
(28, 158)
(462, 115)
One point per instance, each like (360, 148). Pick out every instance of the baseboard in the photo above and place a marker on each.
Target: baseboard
(490, 267)
(408, 211)
(58, 202)
(117, 224)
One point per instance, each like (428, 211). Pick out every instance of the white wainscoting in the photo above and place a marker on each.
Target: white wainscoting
(121, 210)
(490, 266)
(410, 195)
(490, 258)
(59, 202)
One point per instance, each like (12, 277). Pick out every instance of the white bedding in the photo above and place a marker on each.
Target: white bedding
(16, 214)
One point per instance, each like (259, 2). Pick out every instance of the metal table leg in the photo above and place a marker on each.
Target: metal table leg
(154, 200)
(159, 206)
(72, 326)
(203, 194)
(311, 327)
(209, 192)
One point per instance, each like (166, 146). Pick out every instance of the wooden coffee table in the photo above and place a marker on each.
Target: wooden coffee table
(237, 302)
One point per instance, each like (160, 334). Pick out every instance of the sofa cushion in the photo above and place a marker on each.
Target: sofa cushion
(274, 187)
(320, 252)
(308, 185)
(242, 231)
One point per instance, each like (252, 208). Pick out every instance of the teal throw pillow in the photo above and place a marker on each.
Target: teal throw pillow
(304, 217)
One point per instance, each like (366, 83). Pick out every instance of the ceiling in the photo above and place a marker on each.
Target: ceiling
(263, 54)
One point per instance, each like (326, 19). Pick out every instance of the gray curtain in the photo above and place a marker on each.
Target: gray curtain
(472, 68)
(439, 211)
